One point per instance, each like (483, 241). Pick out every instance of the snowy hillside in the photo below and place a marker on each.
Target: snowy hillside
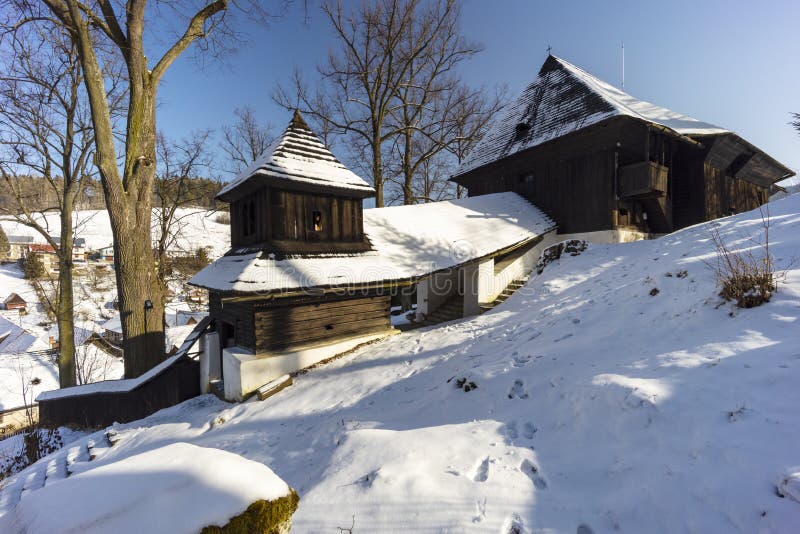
(601, 405)
(194, 228)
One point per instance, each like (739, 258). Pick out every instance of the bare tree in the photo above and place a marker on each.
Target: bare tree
(362, 78)
(430, 92)
(45, 132)
(796, 121)
(179, 163)
(245, 140)
(128, 181)
(470, 121)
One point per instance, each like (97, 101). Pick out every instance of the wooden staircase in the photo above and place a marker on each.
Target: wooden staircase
(510, 289)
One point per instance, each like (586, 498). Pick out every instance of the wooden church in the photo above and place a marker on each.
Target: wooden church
(608, 167)
(310, 274)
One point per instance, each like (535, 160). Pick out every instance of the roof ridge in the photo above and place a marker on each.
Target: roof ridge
(299, 155)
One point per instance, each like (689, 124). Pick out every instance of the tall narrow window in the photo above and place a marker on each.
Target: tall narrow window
(316, 221)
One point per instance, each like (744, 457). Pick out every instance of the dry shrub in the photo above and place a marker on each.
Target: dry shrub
(746, 277)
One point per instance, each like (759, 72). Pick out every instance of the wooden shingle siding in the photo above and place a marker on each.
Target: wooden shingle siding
(285, 323)
(287, 216)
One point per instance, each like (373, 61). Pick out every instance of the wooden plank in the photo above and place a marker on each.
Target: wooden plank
(336, 306)
(293, 343)
(273, 386)
(331, 322)
(264, 318)
(298, 338)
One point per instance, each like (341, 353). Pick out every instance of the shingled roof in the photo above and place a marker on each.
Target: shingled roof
(409, 242)
(297, 159)
(564, 99)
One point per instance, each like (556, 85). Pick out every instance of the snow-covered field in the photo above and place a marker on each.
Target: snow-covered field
(193, 228)
(600, 406)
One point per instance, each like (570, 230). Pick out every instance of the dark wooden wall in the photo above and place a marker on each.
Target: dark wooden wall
(725, 195)
(177, 383)
(276, 324)
(573, 178)
(283, 323)
(271, 214)
(239, 315)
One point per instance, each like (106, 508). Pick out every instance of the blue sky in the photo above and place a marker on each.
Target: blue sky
(733, 63)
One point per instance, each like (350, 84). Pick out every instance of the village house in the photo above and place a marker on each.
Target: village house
(608, 167)
(105, 254)
(15, 302)
(112, 331)
(47, 254)
(311, 274)
(18, 246)
(79, 252)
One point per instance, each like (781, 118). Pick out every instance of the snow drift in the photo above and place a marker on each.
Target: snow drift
(171, 489)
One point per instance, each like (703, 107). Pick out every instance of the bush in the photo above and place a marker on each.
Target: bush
(745, 277)
(223, 217)
(261, 517)
(33, 267)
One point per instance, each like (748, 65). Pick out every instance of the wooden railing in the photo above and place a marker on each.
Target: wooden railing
(645, 179)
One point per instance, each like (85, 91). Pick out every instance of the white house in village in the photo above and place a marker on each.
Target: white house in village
(310, 274)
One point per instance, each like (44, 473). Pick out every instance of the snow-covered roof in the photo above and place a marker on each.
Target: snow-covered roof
(128, 384)
(299, 156)
(113, 325)
(408, 242)
(16, 340)
(563, 99)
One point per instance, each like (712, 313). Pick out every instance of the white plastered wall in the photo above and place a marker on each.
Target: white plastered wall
(245, 372)
(491, 284)
(606, 237)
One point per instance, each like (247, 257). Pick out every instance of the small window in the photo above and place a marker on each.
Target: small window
(248, 218)
(623, 212)
(525, 178)
(316, 221)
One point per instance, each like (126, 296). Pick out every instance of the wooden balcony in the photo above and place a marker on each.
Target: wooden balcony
(645, 179)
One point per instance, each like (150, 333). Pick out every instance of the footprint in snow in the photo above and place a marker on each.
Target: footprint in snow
(511, 430)
(520, 361)
(517, 391)
(481, 471)
(514, 525)
(528, 430)
(368, 479)
(530, 469)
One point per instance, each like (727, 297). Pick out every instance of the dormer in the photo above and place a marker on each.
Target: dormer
(297, 198)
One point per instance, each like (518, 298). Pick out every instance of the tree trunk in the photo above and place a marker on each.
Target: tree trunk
(408, 174)
(136, 271)
(377, 171)
(64, 313)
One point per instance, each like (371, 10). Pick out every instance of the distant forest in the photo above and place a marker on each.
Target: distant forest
(41, 195)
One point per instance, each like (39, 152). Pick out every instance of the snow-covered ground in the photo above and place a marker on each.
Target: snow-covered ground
(601, 406)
